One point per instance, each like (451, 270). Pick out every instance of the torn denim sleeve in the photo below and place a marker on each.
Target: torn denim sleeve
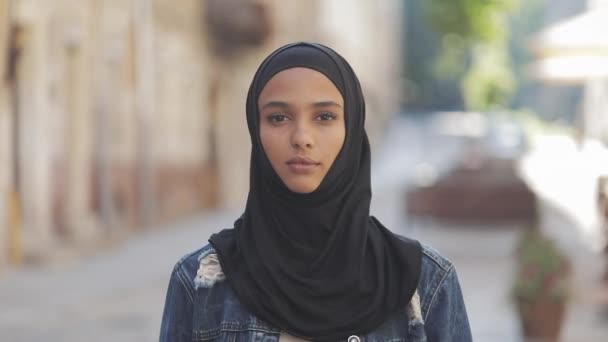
(209, 271)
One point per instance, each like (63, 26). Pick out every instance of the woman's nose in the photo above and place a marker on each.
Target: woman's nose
(301, 137)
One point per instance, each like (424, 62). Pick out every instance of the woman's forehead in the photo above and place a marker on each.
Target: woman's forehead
(300, 83)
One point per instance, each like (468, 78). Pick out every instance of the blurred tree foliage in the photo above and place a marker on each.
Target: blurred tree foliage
(527, 20)
(474, 20)
(478, 30)
(477, 50)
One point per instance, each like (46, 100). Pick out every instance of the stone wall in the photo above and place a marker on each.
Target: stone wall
(130, 115)
(5, 144)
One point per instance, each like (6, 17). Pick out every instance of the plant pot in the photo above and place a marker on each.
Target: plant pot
(541, 320)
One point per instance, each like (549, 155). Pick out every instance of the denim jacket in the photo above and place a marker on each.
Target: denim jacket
(201, 306)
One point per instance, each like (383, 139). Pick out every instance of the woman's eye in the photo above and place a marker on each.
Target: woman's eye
(326, 117)
(276, 118)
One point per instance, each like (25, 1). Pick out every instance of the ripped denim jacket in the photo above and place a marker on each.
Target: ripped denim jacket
(200, 306)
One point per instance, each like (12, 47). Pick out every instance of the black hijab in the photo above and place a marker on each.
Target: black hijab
(317, 265)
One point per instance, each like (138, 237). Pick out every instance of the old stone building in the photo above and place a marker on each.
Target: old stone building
(4, 135)
(120, 114)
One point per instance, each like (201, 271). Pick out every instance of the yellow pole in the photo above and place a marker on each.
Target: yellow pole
(15, 244)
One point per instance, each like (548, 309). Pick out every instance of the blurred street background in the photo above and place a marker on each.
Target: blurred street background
(124, 146)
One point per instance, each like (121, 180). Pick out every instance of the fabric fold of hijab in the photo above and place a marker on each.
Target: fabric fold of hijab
(317, 265)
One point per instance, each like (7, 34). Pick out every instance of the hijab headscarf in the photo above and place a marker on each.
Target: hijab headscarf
(316, 265)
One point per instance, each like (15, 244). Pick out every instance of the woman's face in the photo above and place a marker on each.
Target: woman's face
(302, 126)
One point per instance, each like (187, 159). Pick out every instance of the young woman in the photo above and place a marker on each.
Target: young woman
(306, 261)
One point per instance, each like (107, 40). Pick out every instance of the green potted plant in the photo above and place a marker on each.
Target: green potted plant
(542, 286)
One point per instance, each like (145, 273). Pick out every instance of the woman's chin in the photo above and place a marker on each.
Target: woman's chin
(301, 187)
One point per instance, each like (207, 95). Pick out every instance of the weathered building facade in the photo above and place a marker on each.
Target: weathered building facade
(118, 114)
(4, 134)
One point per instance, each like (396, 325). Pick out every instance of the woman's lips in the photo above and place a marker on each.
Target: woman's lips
(302, 165)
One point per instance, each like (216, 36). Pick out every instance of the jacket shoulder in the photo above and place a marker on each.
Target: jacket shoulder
(191, 260)
(187, 267)
(435, 259)
(435, 270)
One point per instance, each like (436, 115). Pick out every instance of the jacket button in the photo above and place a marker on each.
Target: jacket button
(354, 338)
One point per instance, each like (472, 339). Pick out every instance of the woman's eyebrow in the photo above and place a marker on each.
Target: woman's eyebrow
(275, 104)
(281, 104)
(326, 104)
